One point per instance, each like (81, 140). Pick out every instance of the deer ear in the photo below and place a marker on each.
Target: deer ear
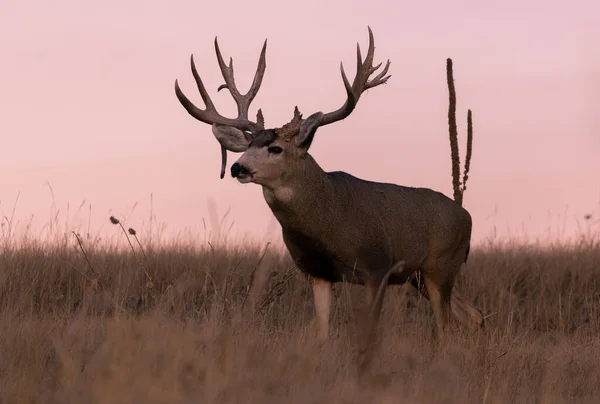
(308, 127)
(231, 138)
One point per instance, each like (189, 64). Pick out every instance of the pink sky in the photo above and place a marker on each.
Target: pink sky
(87, 105)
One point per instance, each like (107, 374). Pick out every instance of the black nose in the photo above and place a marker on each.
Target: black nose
(235, 170)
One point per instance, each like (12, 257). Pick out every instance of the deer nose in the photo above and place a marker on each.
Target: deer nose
(236, 168)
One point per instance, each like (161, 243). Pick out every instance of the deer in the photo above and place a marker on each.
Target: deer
(335, 226)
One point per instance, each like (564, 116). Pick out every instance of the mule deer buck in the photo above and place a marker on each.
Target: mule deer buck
(335, 226)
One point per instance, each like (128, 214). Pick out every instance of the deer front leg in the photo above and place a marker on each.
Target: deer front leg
(322, 300)
(375, 293)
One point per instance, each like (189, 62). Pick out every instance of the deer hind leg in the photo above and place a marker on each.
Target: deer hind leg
(465, 312)
(462, 310)
(322, 301)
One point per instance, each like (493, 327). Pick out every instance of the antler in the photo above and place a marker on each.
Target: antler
(210, 115)
(361, 82)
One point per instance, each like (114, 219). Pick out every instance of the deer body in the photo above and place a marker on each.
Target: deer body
(338, 227)
(321, 221)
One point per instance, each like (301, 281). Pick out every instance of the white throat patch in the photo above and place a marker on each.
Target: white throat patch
(282, 194)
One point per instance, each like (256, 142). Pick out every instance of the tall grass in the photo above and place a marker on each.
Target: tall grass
(82, 323)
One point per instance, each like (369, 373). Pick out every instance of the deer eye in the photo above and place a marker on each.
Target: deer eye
(274, 150)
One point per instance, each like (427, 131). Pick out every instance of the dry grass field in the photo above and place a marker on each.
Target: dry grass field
(91, 328)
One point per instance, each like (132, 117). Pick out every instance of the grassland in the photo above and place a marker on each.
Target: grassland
(116, 326)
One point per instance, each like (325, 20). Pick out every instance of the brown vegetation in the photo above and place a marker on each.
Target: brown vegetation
(72, 335)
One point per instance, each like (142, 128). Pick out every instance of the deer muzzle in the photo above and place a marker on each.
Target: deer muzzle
(240, 172)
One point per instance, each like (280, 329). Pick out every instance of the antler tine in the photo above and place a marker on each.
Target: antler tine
(347, 85)
(359, 66)
(259, 75)
(207, 115)
(243, 101)
(361, 82)
(260, 119)
(203, 93)
(371, 52)
(379, 79)
(226, 71)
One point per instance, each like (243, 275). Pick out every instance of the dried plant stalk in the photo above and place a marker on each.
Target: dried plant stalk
(469, 148)
(457, 187)
(453, 132)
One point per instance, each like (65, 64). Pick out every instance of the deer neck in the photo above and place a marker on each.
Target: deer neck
(295, 198)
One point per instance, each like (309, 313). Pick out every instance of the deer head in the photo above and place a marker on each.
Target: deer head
(272, 155)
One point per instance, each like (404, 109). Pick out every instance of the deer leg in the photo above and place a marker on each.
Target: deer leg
(322, 301)
(440, 291)
(465, 312)
(462, 310)
(375, 293)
